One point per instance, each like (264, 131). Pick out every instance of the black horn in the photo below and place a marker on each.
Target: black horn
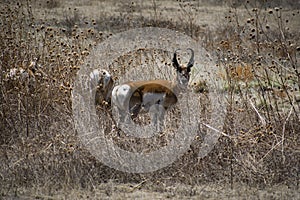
(191, 62)
(175, 61)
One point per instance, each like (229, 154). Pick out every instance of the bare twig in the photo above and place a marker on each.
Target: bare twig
(222, 133)
(283, 133)
(262, 119)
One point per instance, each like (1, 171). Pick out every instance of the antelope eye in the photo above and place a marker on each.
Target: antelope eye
(104, 73)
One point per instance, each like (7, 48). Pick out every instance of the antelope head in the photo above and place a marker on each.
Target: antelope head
(183, 72)
(104, 86)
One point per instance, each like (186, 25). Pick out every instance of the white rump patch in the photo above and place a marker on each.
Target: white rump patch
(121, 95)
(94, 75)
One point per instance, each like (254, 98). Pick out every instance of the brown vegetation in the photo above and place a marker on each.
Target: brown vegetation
(40, 56)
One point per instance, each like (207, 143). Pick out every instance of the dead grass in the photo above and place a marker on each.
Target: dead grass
(113, 190)
(41, 156)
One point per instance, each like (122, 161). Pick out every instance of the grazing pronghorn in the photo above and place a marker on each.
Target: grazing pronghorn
(134, 96)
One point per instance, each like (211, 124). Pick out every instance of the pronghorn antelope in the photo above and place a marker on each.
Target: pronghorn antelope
(135, 96)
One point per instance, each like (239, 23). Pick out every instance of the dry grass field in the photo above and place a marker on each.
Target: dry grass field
(255, 43)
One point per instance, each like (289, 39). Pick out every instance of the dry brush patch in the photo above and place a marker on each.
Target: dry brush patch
(262, 73)
(39, 60)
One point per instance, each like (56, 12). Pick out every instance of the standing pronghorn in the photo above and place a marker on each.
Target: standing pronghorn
(131, 97)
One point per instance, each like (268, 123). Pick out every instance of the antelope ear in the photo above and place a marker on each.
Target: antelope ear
(175, 61)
